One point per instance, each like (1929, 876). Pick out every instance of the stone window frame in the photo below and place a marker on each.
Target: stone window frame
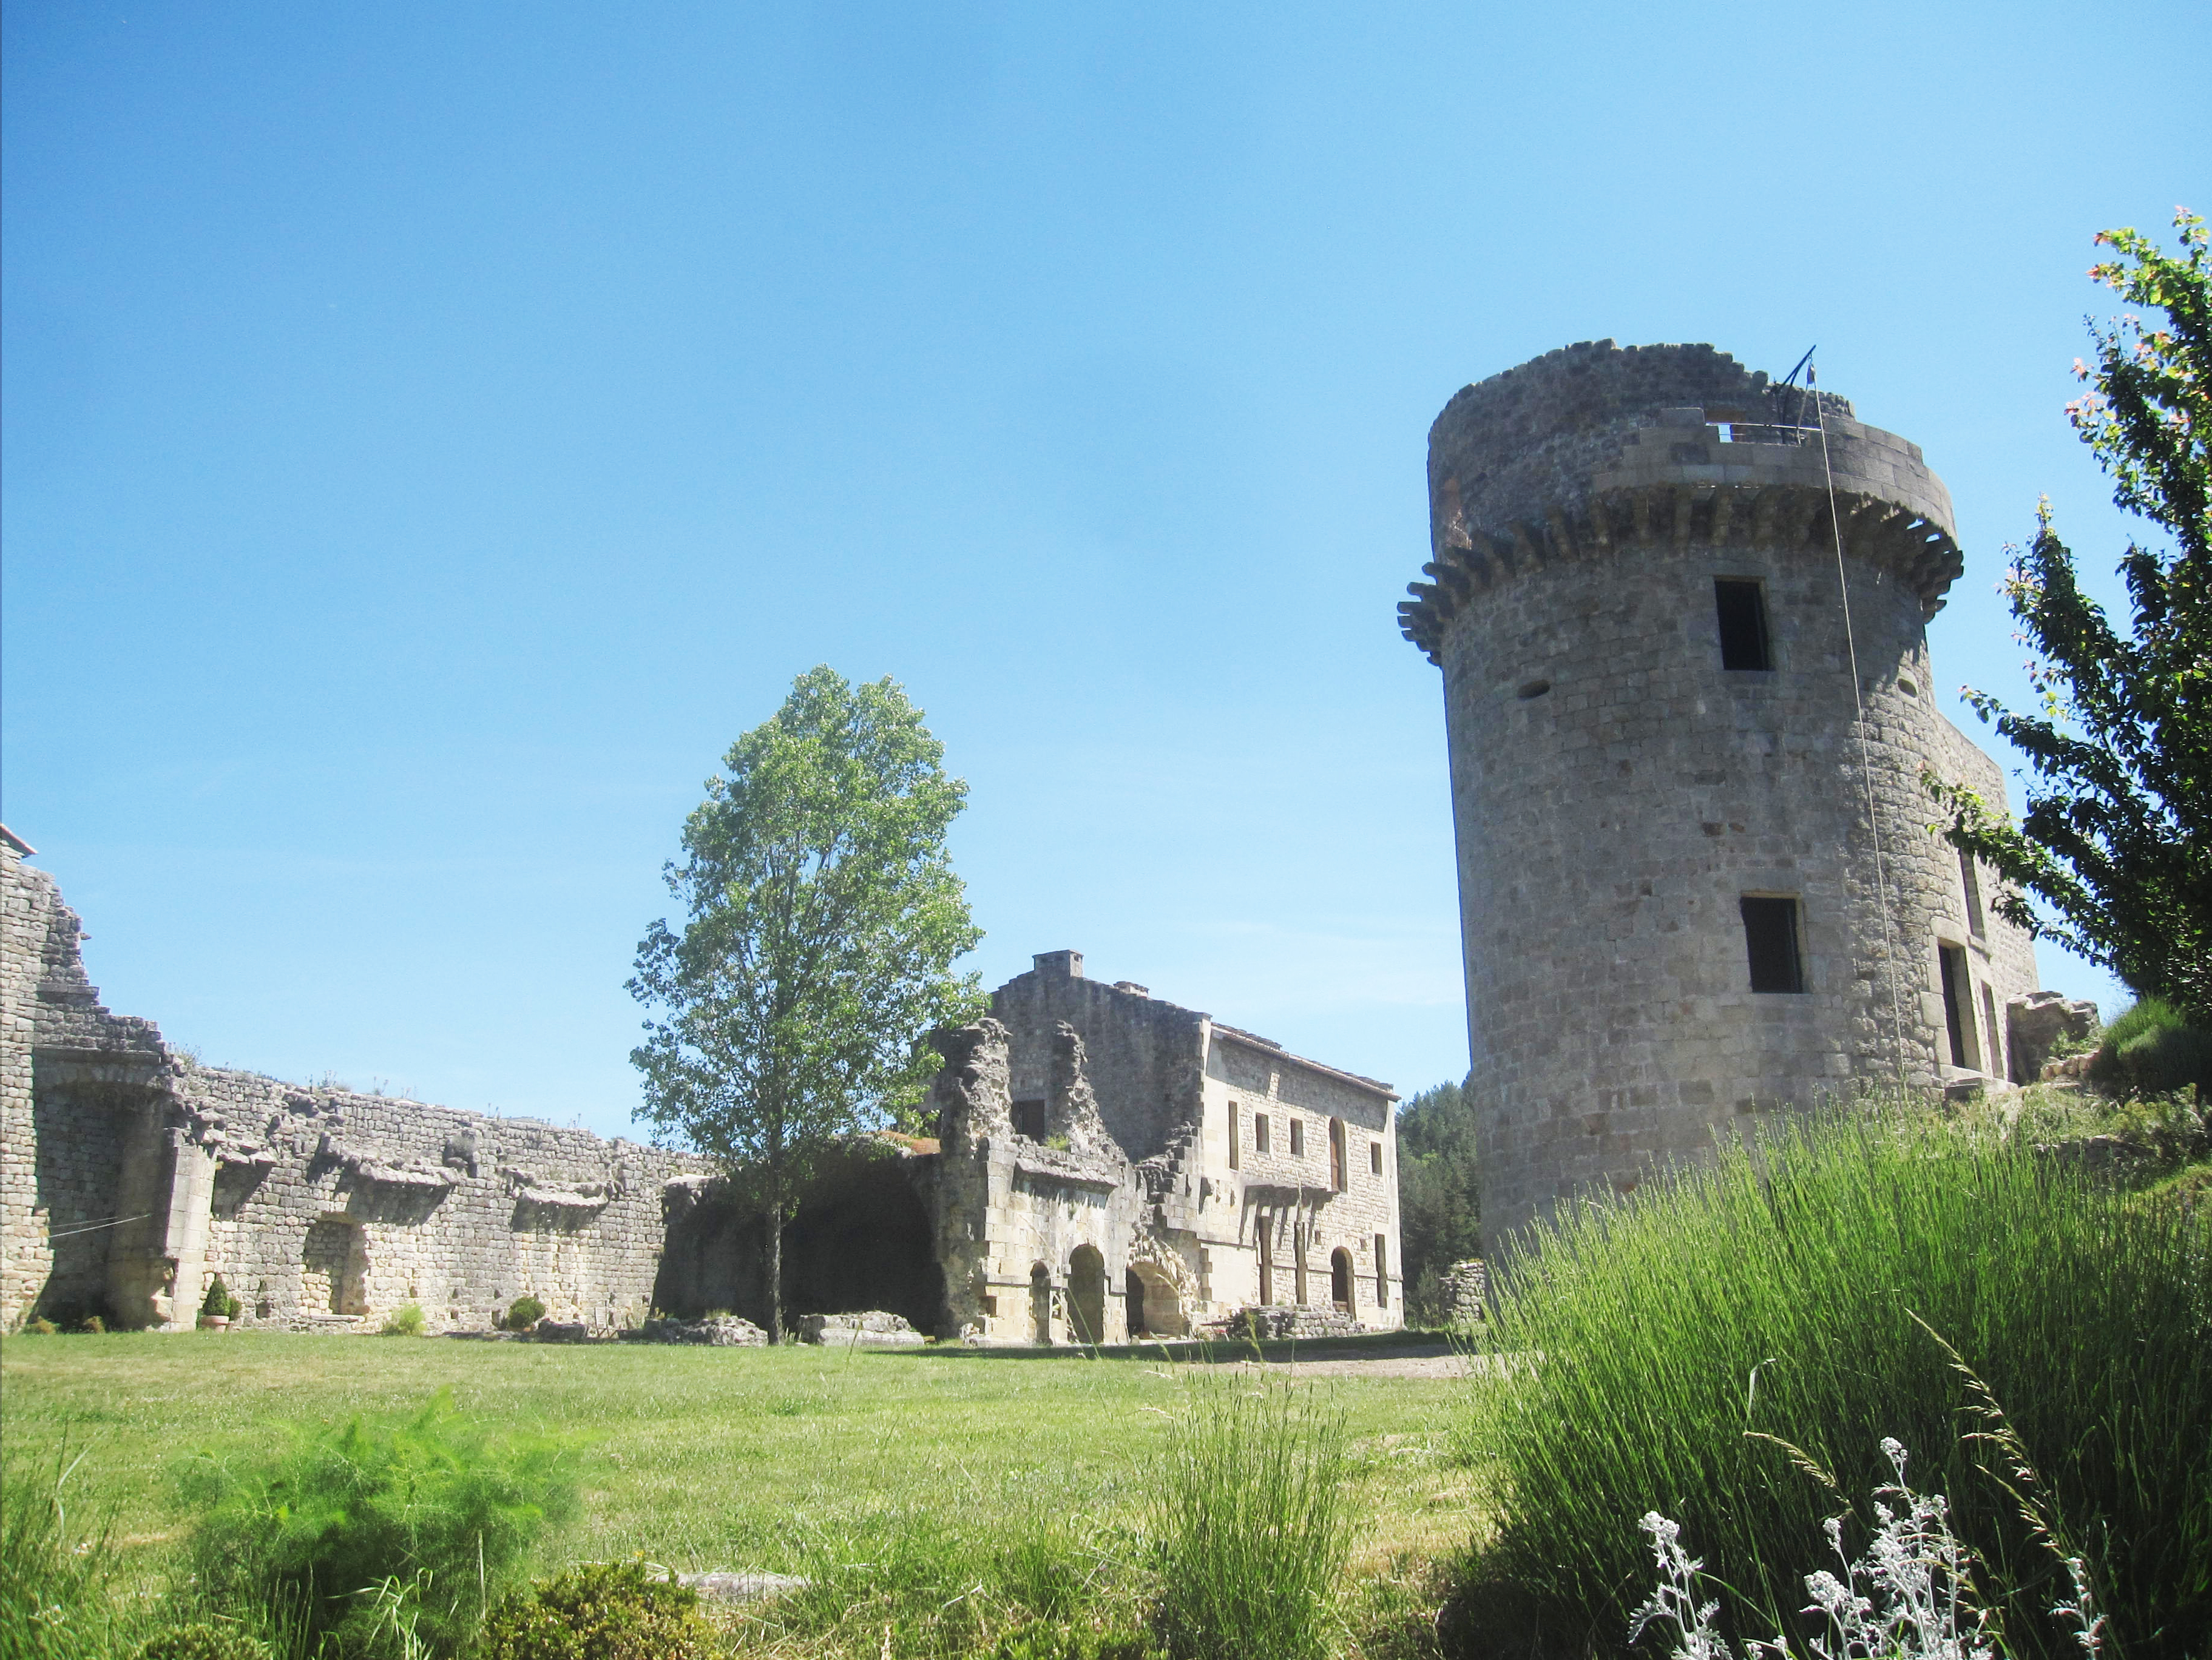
(1260, 1139)
(1762, 620)
(1298, 1134)
(1375, 1155)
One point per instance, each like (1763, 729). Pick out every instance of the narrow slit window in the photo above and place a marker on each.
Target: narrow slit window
(1260, 1132)
(1973, 883)
(1375, 1158)
(1236, 1140)
(1743, 610)
(1297, 1138)
(1770, 937)
(1381, 1270)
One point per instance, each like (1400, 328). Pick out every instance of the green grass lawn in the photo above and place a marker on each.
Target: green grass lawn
(796, 1460)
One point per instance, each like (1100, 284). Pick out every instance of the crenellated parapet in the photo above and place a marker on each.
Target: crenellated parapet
(1592, 451)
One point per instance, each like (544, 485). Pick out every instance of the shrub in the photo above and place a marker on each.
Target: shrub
(1775, 1296)
(402, 1322)
(524, 1312)
(1252, 1525)
(202, 1641)
(600, 1611)
(219, 1303)
(40, 1327)
(2152, 1050)
(1056, 1640)
(93, 1325)
(370, 1530)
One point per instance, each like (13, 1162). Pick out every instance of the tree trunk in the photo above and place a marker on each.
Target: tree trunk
(775, 1224)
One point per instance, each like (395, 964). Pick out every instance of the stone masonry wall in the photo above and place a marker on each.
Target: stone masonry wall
(129, 1177)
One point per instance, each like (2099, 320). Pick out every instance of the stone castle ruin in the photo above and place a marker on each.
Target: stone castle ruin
(1666, 778)
(1108, 1166)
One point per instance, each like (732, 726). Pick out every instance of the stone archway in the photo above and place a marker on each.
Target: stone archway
(1040, 1304)
(1340, 1279)
(334, 1268)
(1156, 1306)
(1086, 1295)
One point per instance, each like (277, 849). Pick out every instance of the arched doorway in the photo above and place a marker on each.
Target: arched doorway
(1156, 1306)
(1132, 1304)
(1040, 1303)
(1340, 1279)
(1086, 1295)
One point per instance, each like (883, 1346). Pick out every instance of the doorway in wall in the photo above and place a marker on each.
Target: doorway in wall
(1339, 1279)
(1040, 1304)
(1957, 1005)
(1086, 1295)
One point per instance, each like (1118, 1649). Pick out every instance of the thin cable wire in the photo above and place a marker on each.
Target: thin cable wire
(1858, 704)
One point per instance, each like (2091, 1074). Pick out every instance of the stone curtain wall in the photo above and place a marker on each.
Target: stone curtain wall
(1616, 792)
(130, 1177)
(457, 1212)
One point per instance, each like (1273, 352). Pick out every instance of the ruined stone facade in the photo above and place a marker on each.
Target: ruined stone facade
(130, 1178)
(1085, 1170)
(1675, 911)
(1111, 1165)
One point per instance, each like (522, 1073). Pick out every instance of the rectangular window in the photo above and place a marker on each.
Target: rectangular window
(1236, 1140)
(1770, 937)
(1957, 1005)
(1743, 609)
(1260, 1132)
(1972, 884)
(1297, 1138)
(1375, 1158)
(1029, 1119)
(1382, 1272)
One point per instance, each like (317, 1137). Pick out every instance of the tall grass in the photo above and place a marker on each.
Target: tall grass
(379, 1539)
(1674, 1342)
(55, 1571)
(1252, 1523)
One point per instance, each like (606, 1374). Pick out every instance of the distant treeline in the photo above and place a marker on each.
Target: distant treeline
(1440, 1215)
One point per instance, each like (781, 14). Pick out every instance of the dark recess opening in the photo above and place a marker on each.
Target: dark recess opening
(1743, 609)
(1953, 963)
(1769, 936)
(1029, 1119)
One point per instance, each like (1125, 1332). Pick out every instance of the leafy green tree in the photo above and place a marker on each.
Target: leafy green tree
(2117, 839)
(1439, 1212)
(825, 918)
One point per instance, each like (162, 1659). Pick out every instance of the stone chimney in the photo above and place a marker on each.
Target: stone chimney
(1060, 965)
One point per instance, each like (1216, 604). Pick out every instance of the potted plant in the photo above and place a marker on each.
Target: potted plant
(218, 1308)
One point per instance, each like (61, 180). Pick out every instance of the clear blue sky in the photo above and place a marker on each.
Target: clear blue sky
(433, 432)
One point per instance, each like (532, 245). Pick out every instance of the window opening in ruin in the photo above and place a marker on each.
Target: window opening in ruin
(1990, 1031)
(1132, 1302)
(1339, 1279)
(1340, 1167)
(1375, 1158)
(1267, 1260)
(1770, 938)
(1381, 1270)
(1029, 1119)
(1534, 688)
(334, 1267)
(1259, 1132)
(1086, 1295)
(1297, 1138)
(1972, 884)
(1957, 1004)
(1040, 1303)
(1235, 1137)
(1743, 609)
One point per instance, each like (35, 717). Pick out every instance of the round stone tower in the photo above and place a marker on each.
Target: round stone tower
(1664, 781)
